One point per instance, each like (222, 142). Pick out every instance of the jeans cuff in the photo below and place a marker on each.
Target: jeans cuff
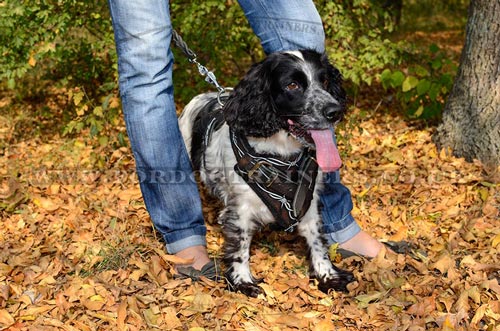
(177, 246)
(343, 235)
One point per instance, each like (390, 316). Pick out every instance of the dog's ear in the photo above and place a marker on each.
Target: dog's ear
(250, 109)
(335, 80)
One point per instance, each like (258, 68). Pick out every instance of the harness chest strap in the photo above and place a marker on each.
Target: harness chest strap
(285, 186)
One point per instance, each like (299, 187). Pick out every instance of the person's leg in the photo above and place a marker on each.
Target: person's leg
(142, 35)
(284, 25)
(339, 225)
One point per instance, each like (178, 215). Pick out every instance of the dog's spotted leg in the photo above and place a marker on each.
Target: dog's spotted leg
(329, 276)
(238, 235)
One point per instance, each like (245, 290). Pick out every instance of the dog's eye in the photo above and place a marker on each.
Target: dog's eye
(292, 86)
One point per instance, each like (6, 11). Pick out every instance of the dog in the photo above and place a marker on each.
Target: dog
(263, 154)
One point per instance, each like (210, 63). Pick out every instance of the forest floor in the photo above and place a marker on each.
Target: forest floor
(78, 250)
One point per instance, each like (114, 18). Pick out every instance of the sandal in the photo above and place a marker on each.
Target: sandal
(210, 270)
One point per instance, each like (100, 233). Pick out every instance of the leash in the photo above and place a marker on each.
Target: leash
(192, 57)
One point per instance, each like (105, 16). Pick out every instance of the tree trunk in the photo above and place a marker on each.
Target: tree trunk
(471, 117)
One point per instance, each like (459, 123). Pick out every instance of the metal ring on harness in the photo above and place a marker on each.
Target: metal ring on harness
(221, 92)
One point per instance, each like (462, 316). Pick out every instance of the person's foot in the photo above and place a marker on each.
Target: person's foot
(362, 244)
(198, 256)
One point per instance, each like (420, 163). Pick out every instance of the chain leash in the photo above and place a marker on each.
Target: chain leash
(192, 57)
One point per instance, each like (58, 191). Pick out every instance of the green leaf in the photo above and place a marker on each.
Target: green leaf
(419, 111)
(434, 91)
(98, 111)
(434, 48)
(421, 71)
(423, 86)
(385, 78)
(409, 83)
(436, 64)
(397, 78)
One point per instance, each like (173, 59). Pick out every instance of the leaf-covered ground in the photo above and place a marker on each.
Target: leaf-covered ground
(78, 251)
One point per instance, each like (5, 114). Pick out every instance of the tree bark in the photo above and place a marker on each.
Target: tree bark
(471, 117)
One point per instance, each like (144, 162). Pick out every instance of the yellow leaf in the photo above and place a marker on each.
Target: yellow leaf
(324, 325)
(495, 241)
(80, 111)
(268, 290)
(332, 251)
(171, 319)
(448, 324)
(98, 111)
(468, 259)
(96, 297)
(93, 304)
(6, 319)
(150, 317)
(77, 98)
(46, 204)
(478, 316)
(365, 299)
(32, 61)
(203, 302)
(49, 280)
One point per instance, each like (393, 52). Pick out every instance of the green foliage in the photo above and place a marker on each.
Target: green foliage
(218, 32)
(423, 88)
(221, 36)
(431, 15)
(356, 34)
(67, 45)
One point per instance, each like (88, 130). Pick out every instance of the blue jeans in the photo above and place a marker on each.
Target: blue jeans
(145, 62)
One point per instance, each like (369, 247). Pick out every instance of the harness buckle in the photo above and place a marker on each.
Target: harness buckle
(267, 173)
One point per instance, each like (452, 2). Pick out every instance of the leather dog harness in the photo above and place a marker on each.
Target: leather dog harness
(285, 186)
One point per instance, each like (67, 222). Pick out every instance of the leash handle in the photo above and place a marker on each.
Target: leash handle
(209, 75)
(179, 42)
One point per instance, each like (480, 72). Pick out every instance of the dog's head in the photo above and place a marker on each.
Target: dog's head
(300, 92)
(297, 90)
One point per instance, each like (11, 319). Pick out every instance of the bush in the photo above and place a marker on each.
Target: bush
(69, 44)
(424, 87)
(66, 44)
(356, 34)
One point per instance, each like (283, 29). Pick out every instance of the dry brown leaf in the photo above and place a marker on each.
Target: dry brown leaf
(202, 302)
(424, 307)
(403, 188)
(6, 319)
(46, 204)
(121, 316)
(444, 263)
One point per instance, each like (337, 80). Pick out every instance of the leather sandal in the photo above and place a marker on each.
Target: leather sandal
(210, 270)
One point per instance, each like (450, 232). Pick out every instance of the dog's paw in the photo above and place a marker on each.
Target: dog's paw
(338, 282)
(249, 289)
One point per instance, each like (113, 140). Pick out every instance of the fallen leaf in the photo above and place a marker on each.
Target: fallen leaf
(6, 319)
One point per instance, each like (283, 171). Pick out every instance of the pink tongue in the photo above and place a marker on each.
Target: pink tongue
(327, 153)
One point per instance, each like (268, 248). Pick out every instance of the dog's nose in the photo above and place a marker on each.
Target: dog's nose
(333, 112)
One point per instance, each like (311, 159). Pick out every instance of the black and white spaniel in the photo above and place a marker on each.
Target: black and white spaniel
(263, 153)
